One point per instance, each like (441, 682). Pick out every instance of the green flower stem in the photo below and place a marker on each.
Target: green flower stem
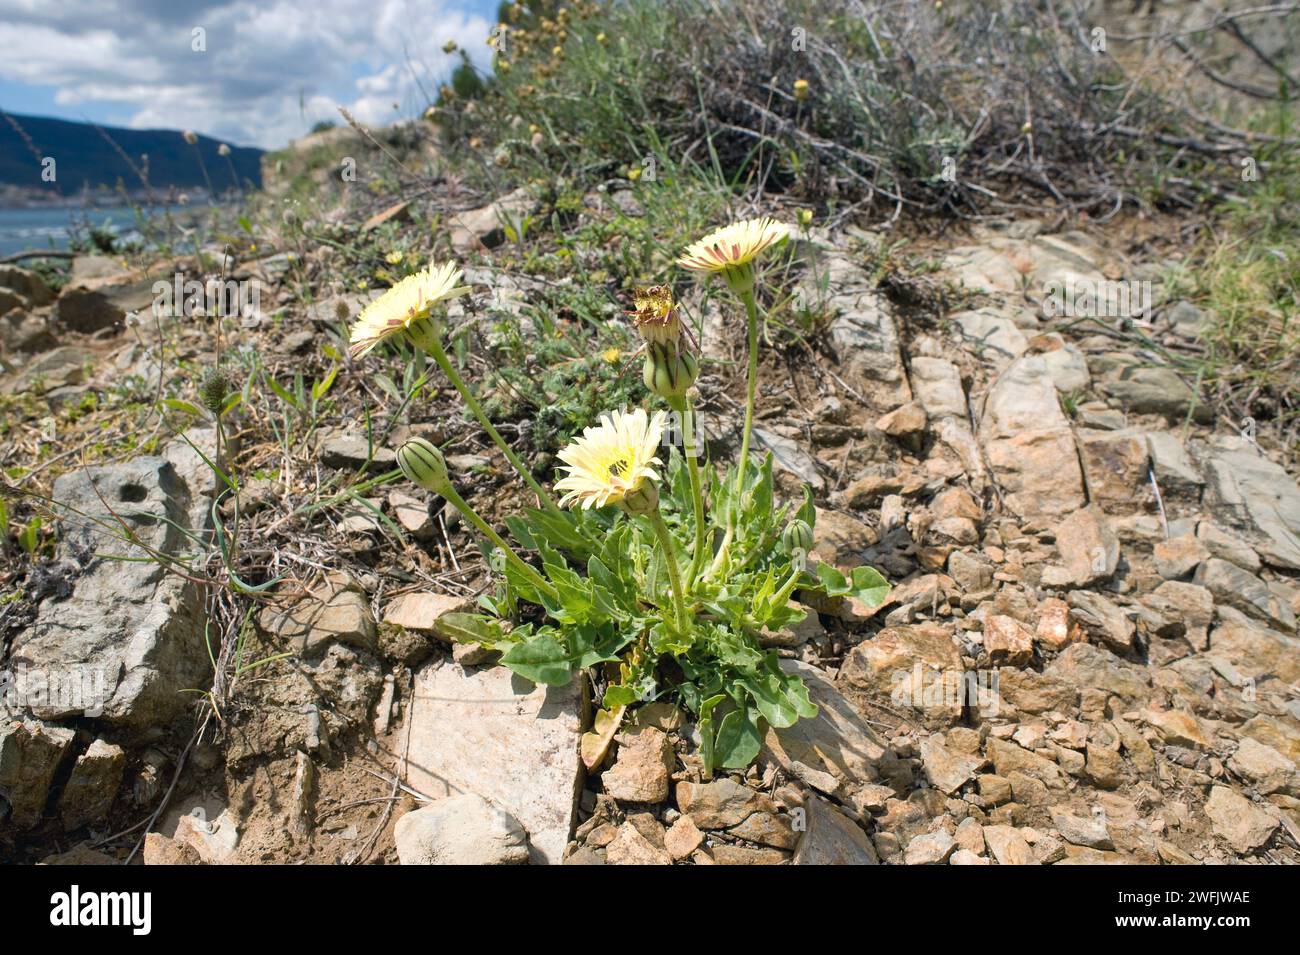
(486, 530)
(440, 356)
(782, 596)
(666, 542)
(687, 411)
(751, 387)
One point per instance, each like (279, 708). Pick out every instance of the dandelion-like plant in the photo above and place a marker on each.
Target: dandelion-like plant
(607, 593)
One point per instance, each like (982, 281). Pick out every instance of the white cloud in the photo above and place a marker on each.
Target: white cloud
(271, 68)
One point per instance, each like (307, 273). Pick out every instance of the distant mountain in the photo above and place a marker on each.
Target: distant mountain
(84, 156)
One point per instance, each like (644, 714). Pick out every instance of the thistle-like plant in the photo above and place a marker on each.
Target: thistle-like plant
(655, 576)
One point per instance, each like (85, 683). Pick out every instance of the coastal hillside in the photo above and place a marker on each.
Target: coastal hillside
(88, 155)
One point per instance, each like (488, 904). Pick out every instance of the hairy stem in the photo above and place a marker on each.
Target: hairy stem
(674, 575)
(697, 494)
(523, 567)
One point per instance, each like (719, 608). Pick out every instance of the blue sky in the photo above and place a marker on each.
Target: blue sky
(251, 72)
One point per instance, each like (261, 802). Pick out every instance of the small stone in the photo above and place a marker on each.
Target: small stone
(768, 829)
(332, 613)
(720, 804)
(421, 610)
(631, 847)
(1115, 465)
(1103, 620)
(970, 573)
(159, 850)
(996, 789)
(351, 452)
(682, 838)
(1228, 546)
(932, 848)
(1008, 758)
(1264, 767)
(1179, 556)
(1055, 631)
(90, 790)
(1006, 641)
(1008, 846)
(1236, 819)
(1088, 547)
(904, 422)
(970, 836)
(1241, 589)
(832, 838)
(726, 854)
(1088, 831)
(1178, 727)
(1105, 767)
(460, 830)
(947, 770)
(966, 857)
(30, 755)
(412, 515)
(645, 761)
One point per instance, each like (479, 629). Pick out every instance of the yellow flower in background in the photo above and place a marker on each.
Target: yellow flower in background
(614, 463)
(394, 257)
(611, 355)
(801, 90)
(732, 249)
(405, 303)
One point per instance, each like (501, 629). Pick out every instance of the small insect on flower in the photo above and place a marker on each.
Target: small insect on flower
(732, 249)
(404, 305)
(614, 463)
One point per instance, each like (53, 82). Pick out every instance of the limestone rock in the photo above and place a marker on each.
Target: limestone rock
(90, 790)
(1008, 846)
(30, 756)
(641, 771)
(835, 752)
(1088, 547)
(914, 665)
(485, 226)
(1006, 641)
(512, 742)
(931, 848)
(832, 838)
(333, 611)
(460, 830)
(947, 770)
(1236, 819)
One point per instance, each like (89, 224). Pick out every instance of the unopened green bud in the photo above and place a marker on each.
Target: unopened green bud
(667, 373)
(797, 537)
(423, 464)
(213, 390)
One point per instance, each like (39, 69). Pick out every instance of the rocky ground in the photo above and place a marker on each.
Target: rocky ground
(1089, 654)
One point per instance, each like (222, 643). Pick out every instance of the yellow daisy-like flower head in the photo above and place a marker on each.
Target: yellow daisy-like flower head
(614, 463)
(404, 308)
(732, 249)
(655, 315)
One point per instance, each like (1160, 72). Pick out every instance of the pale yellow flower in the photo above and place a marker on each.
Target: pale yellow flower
(732, 249)
(404, 304)
(613, 462)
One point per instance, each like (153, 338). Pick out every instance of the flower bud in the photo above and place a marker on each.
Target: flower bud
(643, 500)
(423, 464)
(797, 537)
(667, 373)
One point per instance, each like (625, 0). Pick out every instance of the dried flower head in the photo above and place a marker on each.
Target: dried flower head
(655, 315)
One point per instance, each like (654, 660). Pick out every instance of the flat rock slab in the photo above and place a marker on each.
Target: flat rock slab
(495, 734)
